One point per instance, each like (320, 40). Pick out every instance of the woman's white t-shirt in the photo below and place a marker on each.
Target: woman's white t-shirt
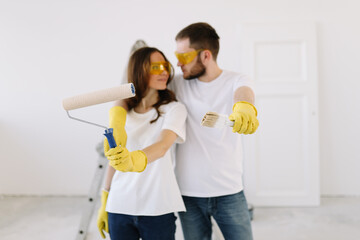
(155, 190)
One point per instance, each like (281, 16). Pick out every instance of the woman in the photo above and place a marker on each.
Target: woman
(142, 205)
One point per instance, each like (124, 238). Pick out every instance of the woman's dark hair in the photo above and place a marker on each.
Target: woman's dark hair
(138, 73)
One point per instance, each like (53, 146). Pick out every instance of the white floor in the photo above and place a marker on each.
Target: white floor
(58, 218)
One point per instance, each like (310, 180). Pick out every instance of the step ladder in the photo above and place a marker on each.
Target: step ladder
(93, 195)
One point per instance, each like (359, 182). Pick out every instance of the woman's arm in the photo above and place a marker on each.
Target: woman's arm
(109, 175)
(161, 146)
(122, 103)
(136, 161)
(122, 160)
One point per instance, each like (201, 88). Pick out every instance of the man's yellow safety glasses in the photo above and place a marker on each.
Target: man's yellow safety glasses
(185, 58)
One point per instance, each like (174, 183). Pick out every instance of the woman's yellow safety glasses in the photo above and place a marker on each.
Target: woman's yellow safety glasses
(185, 58)
(157, 68)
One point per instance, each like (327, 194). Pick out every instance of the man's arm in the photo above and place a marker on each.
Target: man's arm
(244, 112)
(245, 94)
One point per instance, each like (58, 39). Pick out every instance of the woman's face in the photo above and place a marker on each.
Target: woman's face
(158, 81)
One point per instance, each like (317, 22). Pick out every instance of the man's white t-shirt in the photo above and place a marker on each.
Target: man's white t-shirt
(209, 163)
(155, 190)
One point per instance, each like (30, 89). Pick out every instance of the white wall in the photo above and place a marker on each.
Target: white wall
(50, 50)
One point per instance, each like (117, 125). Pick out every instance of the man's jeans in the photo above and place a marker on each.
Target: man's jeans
(127, 227)
(230, 212)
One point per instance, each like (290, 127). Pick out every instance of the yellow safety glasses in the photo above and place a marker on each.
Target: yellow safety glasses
(157, 68)
(185, 58)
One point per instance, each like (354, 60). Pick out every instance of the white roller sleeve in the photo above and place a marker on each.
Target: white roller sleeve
(101, 96)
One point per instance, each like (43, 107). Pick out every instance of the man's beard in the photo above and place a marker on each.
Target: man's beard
(196, 71)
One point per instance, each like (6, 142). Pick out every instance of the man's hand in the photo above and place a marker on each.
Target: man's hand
(244, 116)
(123, 160)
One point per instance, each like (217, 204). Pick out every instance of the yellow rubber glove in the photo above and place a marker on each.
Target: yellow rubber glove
(102, 219)
(122, 160)
(244, 116)
(117, 119)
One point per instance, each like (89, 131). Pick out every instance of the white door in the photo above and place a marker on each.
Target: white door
(281, 165)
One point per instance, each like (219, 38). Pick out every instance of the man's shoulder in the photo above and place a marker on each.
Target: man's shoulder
(177, 83)
(178, 79)
(236, 75)
(237, 79)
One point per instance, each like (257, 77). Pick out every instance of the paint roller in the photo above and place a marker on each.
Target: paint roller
(101, 96)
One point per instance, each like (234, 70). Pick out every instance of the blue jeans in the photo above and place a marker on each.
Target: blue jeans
(128, 227)
(230, 213)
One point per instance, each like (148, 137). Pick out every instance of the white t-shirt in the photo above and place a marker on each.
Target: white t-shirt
(209, 163)
(155, 190)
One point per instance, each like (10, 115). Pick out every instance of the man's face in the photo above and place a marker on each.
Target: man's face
(195, 68)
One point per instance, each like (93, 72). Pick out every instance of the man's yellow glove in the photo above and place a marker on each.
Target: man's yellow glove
(122, 160)
(117, 119)
(102, 219)
(244, 116)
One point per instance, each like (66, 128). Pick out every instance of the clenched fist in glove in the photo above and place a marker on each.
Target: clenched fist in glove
(244, 116)
(123, 160)
(117, 119)
(102, 219)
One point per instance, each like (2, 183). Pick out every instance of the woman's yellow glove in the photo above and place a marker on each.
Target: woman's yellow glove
(117, 119)
(102, 219)
(122, 160)
(244, 116)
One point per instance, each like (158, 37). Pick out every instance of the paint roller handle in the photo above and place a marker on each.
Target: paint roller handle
(109, 136)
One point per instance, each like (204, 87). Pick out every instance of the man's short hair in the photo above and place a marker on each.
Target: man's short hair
(201, 36)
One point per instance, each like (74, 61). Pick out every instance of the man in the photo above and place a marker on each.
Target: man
(209, 163)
